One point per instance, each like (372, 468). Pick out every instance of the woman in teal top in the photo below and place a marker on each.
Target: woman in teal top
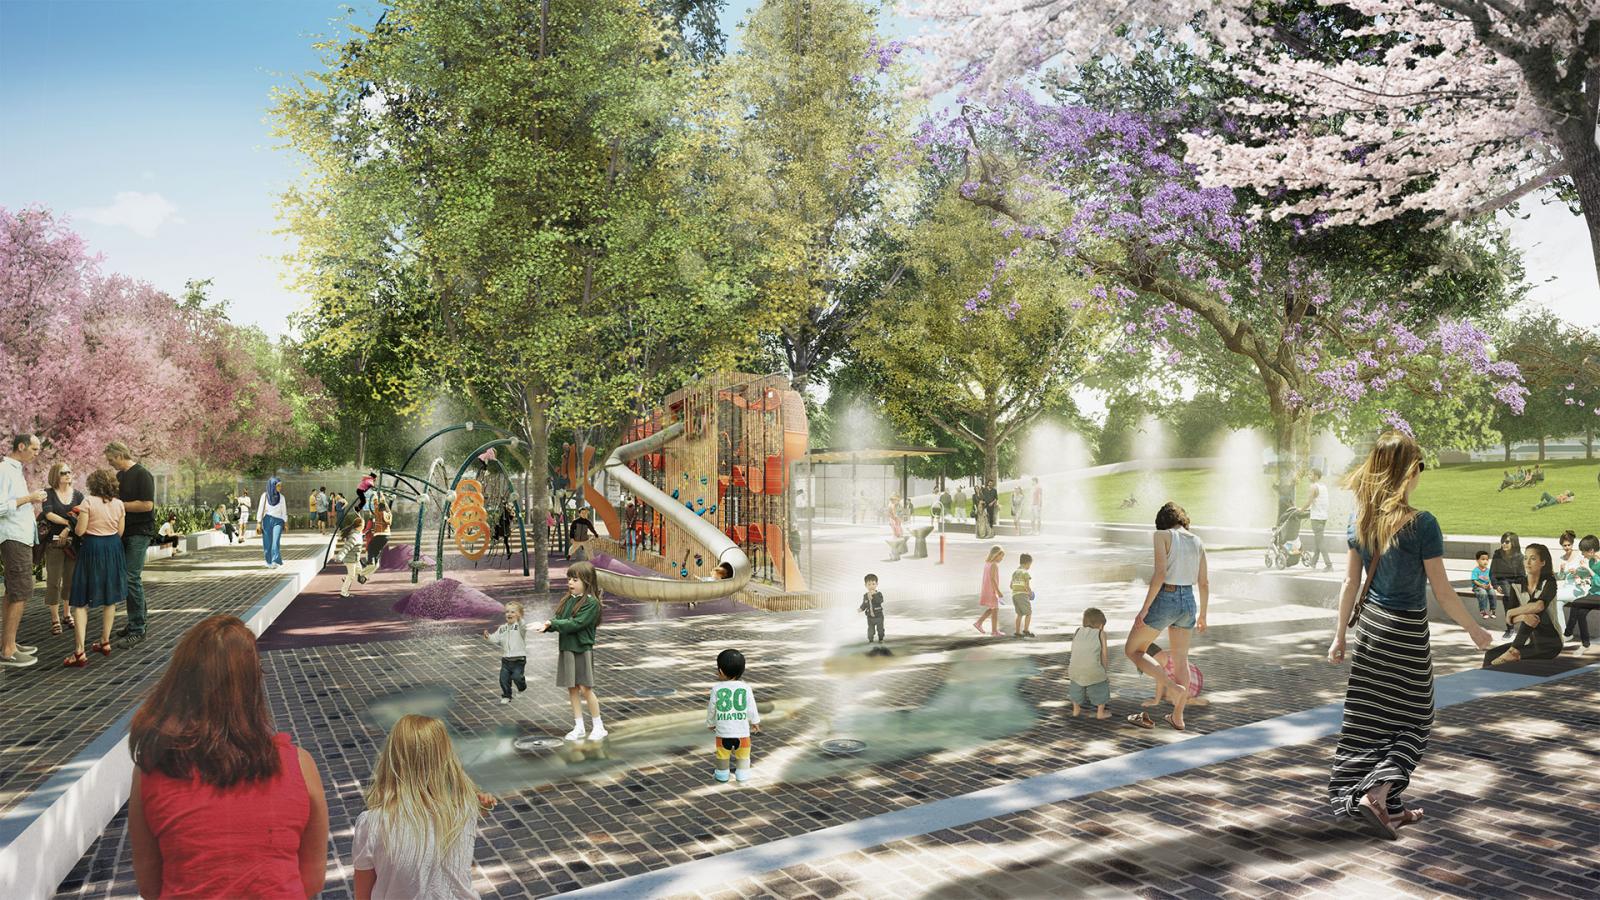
(1589, 577)
(1396, 556)
(576, 618)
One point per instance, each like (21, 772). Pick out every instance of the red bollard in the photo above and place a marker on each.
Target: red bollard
(941, 549)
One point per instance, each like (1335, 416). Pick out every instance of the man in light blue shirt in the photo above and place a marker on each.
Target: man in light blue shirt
(18, 534)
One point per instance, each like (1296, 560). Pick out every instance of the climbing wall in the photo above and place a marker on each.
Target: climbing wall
(741, 435)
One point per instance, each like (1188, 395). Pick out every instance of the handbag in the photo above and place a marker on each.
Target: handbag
(1361, 601)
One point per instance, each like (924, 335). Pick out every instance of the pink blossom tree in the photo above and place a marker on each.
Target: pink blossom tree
(1356, 110)
(87, 358)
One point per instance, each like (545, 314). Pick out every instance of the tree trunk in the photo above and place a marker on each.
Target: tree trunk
(537, 424)
(1284, 422)
(1586, 178)
(1588, 442)
(1541, 448)
(1508, 447)
(361, 448)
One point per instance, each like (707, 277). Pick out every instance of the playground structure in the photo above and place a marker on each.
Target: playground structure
(707, 482)
(462, 505)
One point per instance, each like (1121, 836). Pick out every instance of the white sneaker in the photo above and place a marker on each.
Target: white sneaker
(576, 734)
(504, 700)
(599, 733)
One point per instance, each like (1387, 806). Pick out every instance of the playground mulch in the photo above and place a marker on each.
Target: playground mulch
(319, 617)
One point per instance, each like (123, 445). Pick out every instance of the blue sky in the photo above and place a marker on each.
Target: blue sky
(144, 122)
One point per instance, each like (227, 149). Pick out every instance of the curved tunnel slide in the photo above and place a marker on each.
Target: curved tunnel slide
(671, 590)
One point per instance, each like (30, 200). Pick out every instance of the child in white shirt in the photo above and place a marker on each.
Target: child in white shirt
(1087, 681)
(416, 837)
(512, 640)
(731, 713)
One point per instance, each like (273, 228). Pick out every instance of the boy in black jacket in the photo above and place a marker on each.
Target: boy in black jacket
(872, 605)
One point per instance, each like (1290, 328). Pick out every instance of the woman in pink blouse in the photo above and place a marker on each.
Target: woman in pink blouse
(101, 578)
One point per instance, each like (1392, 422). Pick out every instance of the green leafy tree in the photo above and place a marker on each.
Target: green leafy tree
(496, 170)
(792, 143)
(1562, 365)
(980, 372)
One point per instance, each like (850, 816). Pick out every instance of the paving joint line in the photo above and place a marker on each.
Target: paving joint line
(1041, 790)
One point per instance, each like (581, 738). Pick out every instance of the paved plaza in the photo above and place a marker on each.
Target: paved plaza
(975, 779)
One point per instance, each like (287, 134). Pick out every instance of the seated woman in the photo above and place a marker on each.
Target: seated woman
(1586, 582)
(1537, 637)
(168, 535)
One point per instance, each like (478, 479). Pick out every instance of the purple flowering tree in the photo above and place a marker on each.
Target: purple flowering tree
(1182, 266)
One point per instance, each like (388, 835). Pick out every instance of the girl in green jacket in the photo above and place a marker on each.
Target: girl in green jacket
(576, 617)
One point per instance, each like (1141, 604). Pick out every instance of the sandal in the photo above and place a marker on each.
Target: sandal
(76, 661)
(55, 627)
(1377, 818)
(1142, 720)
(1175, 725)
(102, 647)
(1409, 817)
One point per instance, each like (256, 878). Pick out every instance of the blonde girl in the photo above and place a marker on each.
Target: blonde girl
(576, 619)
(1396, 555)
(415, 839)
(989, 593)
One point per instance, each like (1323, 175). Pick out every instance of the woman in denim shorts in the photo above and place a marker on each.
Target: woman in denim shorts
(1170, 605)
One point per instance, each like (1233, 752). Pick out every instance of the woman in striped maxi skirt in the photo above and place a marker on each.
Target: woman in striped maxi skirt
(1388, 710)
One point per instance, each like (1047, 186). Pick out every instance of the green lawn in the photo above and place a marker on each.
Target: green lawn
(1464, 497)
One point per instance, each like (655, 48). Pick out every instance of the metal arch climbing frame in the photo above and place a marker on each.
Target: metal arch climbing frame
(464, 426)
(640, 587)
(412, 493)
(444, 514)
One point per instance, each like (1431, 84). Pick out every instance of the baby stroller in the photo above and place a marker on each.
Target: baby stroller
(1286, 549)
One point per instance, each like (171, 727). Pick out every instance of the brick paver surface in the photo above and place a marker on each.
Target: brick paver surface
(53, 713)
(945, 711)
(1510, 786)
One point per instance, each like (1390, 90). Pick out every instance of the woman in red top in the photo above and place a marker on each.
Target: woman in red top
(221, 805)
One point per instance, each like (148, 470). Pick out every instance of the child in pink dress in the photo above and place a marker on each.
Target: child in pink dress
(989, 595)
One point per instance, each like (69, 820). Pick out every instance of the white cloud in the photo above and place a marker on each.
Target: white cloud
(139, 212)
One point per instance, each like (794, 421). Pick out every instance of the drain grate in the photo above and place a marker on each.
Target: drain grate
(534, 742)
(843, 746)
(655, 692)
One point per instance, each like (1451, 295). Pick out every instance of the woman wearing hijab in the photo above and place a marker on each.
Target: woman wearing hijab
(272, 517)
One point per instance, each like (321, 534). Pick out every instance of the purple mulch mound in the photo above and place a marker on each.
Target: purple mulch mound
(448, 599)
(395, 558)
